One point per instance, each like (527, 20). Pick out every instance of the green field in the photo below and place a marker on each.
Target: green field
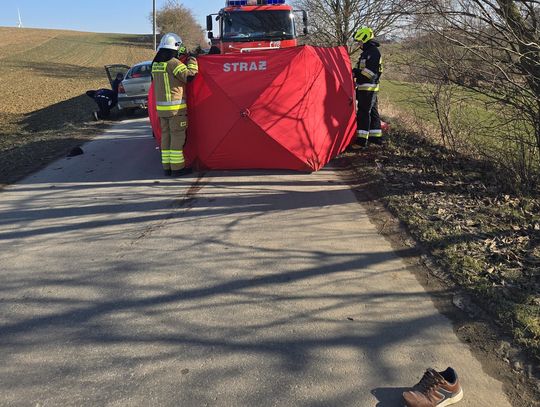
(477, 123)
(44, 75)
(411, 99)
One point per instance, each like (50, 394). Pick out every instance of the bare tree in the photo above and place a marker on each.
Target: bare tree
(333, 22)
(492, 48)
(174, 17)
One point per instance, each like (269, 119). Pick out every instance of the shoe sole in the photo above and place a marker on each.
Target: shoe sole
(450, 401)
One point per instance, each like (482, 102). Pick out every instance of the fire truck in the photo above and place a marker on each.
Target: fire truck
(249, 25)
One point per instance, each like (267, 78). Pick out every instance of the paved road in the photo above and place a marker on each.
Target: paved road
(122, 288)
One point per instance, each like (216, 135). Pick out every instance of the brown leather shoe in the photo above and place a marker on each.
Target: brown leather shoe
(435, 389)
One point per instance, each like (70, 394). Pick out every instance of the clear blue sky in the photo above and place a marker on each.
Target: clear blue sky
(120, 16)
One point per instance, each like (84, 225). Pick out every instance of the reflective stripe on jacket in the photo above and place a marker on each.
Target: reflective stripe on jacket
(369, 68)
(170, 80)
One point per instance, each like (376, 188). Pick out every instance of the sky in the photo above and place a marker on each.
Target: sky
(110, 16)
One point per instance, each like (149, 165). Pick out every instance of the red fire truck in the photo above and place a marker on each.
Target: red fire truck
(249, 25)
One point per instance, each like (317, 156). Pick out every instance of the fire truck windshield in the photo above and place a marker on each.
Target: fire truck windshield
(258, 25)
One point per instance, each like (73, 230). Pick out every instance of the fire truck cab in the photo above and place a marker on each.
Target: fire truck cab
(249, 25)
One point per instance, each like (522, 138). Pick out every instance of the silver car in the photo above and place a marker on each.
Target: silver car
(133, 91)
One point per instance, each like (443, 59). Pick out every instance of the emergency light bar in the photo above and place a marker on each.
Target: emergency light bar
(229, 3)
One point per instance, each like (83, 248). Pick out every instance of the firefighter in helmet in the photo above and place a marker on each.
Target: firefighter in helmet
(367, 74)
(170, 77)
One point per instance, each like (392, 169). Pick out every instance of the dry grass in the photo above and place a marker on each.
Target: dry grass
(485, 238)
(61, 65)
(15, 41)
(44, 111)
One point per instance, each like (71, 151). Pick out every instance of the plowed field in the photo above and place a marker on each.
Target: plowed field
(44, 75)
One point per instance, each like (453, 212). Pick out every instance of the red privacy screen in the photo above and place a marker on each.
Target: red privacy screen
(291, 108)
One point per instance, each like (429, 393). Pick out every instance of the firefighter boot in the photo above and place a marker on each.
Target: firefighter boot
(361, 141)
(379, 141)
(183, 171)
(376, 137)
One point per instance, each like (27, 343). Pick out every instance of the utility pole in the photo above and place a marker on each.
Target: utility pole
(154, 24)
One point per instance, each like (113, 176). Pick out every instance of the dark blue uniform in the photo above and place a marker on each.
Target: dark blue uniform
(105, 99)
(367, 74)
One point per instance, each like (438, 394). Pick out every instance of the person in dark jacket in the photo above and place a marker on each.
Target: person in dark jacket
(115, 84)
(367, 74)
(104, 98)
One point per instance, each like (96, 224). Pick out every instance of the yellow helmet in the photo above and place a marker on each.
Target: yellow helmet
(363, 34)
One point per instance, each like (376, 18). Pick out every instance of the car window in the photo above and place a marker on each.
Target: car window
(139, 71)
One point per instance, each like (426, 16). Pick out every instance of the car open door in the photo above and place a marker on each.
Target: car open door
(113, 70)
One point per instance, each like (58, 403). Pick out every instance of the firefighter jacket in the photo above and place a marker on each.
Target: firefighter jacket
(369, 68)
(170, 80)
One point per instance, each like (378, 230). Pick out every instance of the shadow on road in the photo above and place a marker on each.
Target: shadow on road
(389, 396)
(126, 283)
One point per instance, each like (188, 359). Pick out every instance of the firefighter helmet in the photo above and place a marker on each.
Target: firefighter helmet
(170, 41)
(363, 34)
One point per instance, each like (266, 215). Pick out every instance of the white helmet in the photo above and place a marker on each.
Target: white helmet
(170, 41)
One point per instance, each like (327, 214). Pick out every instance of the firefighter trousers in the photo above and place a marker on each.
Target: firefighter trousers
(367, 116)
(173, 138)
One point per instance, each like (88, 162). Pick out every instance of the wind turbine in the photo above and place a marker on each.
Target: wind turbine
(19, 24)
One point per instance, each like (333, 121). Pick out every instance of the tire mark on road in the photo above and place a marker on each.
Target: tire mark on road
(186, 202)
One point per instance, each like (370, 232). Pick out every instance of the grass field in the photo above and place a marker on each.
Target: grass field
(44, 75)
(411, 99)
(468, 121)
(455, 204)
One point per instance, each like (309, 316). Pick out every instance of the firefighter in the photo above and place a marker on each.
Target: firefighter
(170, 77)
(367, 74)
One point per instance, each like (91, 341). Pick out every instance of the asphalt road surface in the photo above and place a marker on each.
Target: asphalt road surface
(121, 287)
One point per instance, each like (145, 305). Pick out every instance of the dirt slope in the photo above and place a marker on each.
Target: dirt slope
(44, 74)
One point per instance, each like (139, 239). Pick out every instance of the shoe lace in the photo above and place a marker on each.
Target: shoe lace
(430, 379)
